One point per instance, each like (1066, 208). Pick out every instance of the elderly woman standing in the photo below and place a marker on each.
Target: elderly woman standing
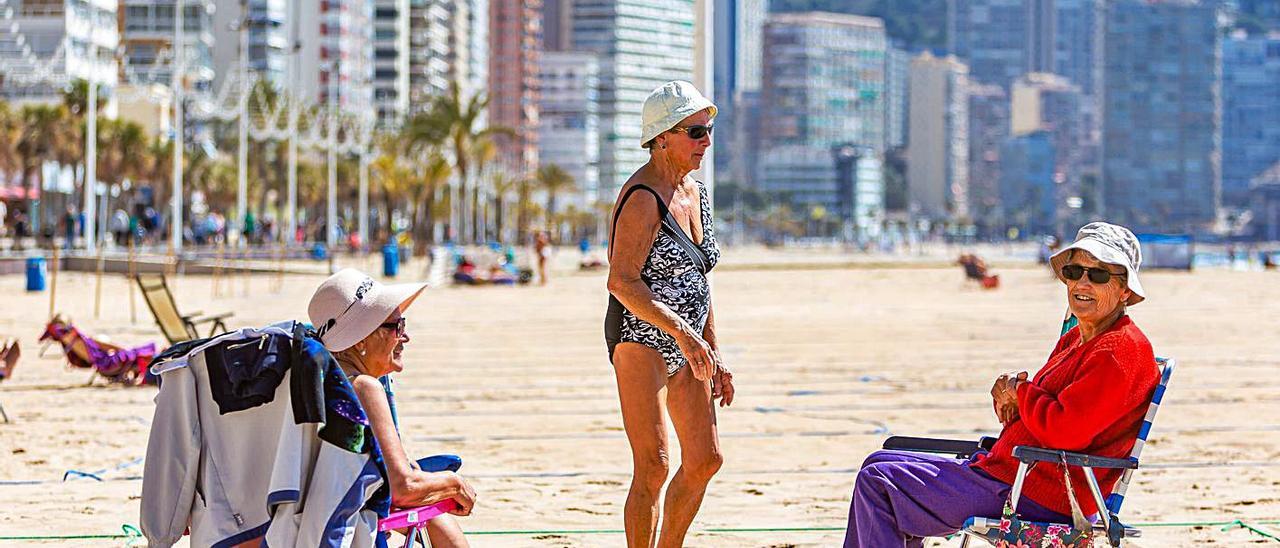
(361, 322)
(1089, 397)
(660, 327)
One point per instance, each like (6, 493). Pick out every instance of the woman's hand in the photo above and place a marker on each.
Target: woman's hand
(1004, 396)
(701, 358)
(722, 383)
(463, 494)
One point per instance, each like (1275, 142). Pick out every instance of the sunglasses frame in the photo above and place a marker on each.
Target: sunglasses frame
(689, 130)
(398, 326)
(1102, 273)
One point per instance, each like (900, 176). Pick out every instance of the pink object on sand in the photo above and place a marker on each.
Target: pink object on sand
(415, 517)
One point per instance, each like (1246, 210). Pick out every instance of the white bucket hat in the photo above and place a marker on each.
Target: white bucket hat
(1111, 244)
(668, 105)
(350, 305)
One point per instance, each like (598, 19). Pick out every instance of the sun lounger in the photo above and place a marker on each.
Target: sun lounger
(114, 363)
(176, 326)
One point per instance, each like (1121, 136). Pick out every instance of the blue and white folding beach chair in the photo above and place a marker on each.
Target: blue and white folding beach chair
(1108, 524)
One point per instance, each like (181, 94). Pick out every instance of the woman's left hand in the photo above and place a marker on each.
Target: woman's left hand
(721, 383)
(1004, 395)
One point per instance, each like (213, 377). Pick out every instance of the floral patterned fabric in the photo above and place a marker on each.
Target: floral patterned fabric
(1015, 533)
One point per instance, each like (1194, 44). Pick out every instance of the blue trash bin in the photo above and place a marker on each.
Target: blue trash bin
(390, 260)
(35, 273)
(319, 252)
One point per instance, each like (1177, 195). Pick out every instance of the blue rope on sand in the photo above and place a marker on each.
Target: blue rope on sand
(98, 474)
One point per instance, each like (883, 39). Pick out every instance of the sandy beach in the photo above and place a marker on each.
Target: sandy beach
(829, 359)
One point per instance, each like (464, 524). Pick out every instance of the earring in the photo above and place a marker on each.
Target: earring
(361, 351)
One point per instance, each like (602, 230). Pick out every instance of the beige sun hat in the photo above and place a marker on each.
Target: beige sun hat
(1111, 244)
(667, 106)
(350, 305)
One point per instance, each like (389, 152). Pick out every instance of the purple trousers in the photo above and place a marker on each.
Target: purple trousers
(900, 498)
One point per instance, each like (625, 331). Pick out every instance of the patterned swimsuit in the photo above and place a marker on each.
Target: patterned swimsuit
(675, 272)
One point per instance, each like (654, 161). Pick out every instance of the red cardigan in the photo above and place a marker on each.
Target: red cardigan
(1089, 398)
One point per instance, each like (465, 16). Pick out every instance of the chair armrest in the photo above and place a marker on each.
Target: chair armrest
(413, 517)
(197, 318)
(959, 448)
(1028, 455)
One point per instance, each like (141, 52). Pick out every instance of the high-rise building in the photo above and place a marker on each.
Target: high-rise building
(938, 138)
(1264, 194)
(1001, 40)
(391, 51)
(641, 45)
(1162, 129)
(515, 33)
(147, 38)
(82, 34)
(335, 54)
(988, 130)
(1051, 103)
(737, 32)
(569, 132)
(430, 28)
(896, 68)
(469, 45)
(1028, 193)
(557, 25)
(1250, 112)
(268, 37)
(823, 87)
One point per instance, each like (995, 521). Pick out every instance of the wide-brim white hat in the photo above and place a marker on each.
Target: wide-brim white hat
(1111, 244)
(668, 105)
(350, 305)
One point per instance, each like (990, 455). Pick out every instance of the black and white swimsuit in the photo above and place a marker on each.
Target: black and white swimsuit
(676, 272)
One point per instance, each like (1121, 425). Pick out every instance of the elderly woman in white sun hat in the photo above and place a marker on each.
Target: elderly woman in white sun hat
(1090, 397)
(361, 322)
(660, 328)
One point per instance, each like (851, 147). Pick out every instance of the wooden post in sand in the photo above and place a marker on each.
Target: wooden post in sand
(97, 291)
(279, 283)
(217, 267)
(133, 275)
(53, 281)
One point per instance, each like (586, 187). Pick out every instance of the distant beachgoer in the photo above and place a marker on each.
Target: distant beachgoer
(542, 247)
(1090, 397)
(660, 327)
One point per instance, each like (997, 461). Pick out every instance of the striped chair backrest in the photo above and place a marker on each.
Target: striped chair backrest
(1117, 495)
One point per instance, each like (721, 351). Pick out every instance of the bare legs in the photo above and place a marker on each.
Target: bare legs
(643, 389)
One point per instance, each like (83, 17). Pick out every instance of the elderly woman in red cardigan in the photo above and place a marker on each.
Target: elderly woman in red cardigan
(1089, 397)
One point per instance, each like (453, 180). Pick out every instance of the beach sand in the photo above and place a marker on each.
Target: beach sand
(828, 362)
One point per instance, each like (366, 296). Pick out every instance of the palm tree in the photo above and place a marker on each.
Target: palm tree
(461, 116)
(10, 131)
(553, 180)
(502, 184)
(525, 208)
(44, 136)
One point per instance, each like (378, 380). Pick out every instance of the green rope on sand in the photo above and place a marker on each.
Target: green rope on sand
(1237, 524)
(127, 532)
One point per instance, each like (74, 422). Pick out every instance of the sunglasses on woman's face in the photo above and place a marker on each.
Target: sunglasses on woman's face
(695, 132)
(1098, 276)
(397, 325)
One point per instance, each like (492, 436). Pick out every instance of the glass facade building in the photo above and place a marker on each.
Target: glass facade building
(1162, 135)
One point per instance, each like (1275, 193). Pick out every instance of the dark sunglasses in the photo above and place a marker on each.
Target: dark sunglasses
(695, 132)
(397, 325)
(1099, 276)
